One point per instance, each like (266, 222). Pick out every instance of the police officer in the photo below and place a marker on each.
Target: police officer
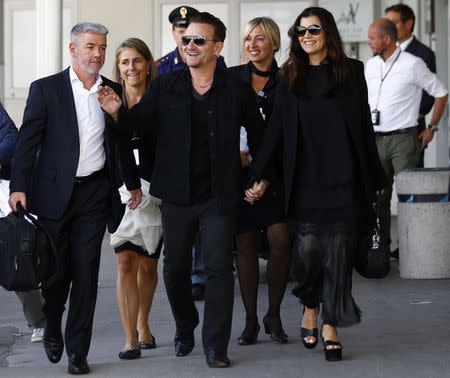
(179, 18)
(175, 60)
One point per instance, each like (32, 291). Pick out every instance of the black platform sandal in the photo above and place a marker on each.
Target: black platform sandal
(331, 354)
(306, 332)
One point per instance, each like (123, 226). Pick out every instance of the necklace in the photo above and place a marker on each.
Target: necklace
(205, 85)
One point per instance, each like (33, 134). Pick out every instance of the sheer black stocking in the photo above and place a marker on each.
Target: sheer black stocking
(247, 244)
(278, 266)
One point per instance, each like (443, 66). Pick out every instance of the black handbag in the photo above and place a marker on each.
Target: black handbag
(27, 253)
(373, 254)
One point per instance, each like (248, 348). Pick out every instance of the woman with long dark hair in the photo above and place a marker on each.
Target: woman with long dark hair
(331, 171)
(261, 40)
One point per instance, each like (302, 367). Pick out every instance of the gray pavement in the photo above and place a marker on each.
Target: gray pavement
(404, 333)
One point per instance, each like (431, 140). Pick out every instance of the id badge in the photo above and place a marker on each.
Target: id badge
(376, 117)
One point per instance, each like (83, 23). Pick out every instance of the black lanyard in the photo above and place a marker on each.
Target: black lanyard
(384, 77)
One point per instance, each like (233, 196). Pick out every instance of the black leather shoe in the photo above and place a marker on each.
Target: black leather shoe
(198, 292)
(53, 344)
(183, 344)
(147, 344)
(249, 336)
(216, 359)
(130, 354)
(276, 333)
(78, 365)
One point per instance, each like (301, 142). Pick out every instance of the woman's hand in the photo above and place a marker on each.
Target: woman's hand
(109, 101)
(135, 198)
(256, 191)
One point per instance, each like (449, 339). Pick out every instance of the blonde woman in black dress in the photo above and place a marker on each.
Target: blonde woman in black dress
(261, 40)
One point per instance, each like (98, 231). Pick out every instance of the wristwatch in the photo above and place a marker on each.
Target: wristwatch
(433, 128)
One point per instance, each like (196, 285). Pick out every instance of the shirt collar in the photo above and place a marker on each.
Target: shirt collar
(393, 56)
(75, 80)
(406, 43)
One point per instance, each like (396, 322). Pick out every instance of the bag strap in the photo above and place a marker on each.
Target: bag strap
(377, 210)
(54, 277)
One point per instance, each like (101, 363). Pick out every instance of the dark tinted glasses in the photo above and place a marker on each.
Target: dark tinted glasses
(199, 40)
(313, 29)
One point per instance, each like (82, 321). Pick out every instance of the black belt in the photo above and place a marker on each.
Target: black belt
(394, 132)
(83, 179)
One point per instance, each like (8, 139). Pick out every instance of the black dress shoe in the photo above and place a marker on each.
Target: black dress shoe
(276, 334)
(183, 344)
(198, 292)
(130, 354)
(147, 344)
(78, 365)
(53, 344)
(216, 359)
(249, 336)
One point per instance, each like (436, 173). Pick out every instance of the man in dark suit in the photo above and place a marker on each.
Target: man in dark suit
(404, 19)
(197, 113)
(63, 170)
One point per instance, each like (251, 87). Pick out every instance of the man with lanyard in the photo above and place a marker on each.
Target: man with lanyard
(404, 19)
(395, 80)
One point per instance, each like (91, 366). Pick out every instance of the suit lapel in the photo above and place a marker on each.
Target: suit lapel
(68, 104)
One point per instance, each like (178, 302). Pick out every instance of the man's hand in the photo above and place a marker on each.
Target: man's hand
(17, 197)
(245, 159)
(109, 101)
(256, 191)
(136, 198)
(425, 137)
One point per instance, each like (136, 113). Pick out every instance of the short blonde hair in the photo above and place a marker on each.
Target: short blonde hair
(268, 26)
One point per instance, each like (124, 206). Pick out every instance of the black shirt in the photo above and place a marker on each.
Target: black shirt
(200, 172)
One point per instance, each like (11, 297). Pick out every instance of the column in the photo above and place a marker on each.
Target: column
(48, 37)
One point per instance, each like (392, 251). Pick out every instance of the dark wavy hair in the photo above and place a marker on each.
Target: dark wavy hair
(294, 69)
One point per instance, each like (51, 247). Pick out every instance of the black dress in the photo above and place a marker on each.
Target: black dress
(328, 203)
(270, 208)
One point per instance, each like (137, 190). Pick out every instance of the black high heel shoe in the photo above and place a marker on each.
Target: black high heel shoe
(306, 332)
(277, 335)
(249, 336)
(331, 354)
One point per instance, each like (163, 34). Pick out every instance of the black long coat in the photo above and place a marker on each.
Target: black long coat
(284, 123)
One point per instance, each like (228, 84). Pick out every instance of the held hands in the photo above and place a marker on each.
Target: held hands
(109, 101)
(425, 137)
(256, 191)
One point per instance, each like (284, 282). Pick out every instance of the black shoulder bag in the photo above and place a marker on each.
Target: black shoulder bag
(373, 254)
(27, 252)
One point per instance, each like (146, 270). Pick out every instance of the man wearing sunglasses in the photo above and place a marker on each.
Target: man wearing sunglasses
(195, 115)
(173, 61)
(176, 60)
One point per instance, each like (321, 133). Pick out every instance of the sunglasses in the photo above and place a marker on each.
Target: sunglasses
(312, 29)
(199, 40)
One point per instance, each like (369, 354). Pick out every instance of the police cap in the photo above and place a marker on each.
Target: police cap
(180, 16)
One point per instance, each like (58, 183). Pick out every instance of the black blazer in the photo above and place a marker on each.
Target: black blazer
(283, 125)
(46, 157)
(166, 111)
(418, 49)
